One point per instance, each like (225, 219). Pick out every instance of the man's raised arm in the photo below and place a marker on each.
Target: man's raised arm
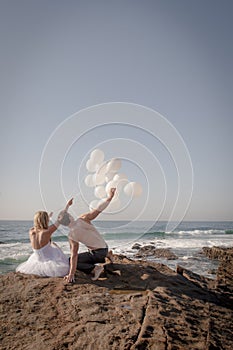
(93, 214)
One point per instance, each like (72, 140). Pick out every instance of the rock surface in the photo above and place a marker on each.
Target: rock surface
(136, 246)
(137, 305)
(225, 269)
(218, 253)
(151, 250)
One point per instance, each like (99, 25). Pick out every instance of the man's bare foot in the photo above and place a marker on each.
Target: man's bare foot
(110, 256)
(117, 272)
(97, 271)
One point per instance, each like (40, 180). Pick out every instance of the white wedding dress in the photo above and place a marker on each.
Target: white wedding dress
(48, 261)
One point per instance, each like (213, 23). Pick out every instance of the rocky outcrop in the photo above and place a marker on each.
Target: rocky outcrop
(151, 250)
(135, 305)
(225, 269)
(136, 246)
(218, 253)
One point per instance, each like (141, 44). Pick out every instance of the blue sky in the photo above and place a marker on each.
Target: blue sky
(174, 57)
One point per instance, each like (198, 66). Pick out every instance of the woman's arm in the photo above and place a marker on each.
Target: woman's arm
(52, 228)
(93, 214)
(46, 235)
(73, 260)
(69, 203)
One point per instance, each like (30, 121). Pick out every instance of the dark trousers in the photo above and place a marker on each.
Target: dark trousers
(87, 260)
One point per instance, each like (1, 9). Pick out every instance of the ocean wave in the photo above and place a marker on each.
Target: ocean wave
(26, 240)
(198, 232)
(15, 241)
(163, 233)
(128, 235)
(229, 232)
(151, 235)
(10, 261)
(63, 238)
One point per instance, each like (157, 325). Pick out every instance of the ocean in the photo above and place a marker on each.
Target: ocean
(186, 241)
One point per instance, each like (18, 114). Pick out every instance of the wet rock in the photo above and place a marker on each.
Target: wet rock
(136, 246)
(151, 250)
(218, 253)
(225, 269)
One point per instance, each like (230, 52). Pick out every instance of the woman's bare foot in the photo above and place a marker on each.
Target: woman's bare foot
(110, 256)
(97, 271)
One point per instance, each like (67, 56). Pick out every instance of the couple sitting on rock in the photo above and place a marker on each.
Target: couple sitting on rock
(49, 260)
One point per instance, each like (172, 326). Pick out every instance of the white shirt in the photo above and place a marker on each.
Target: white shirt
(82, 231)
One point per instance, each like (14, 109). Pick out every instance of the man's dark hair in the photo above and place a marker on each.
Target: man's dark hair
(65, 219)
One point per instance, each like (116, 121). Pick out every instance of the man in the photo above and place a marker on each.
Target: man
(82, 230)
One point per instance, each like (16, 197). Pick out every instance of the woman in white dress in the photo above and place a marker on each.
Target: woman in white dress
(47, 258)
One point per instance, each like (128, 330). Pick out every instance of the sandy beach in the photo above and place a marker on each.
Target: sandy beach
(135, 305)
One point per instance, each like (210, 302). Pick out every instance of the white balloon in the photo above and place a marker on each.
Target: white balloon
(118, 177)
(97, 156)
(128, 189)
(100, 192)
(121, 180)
(133, 189)
(110, 175)
(89, 180)
(94, 204)
(121, 184)
(98, 179)
(137, 189)
(110, 184)
(114, 164)
(91, 166)
(102, 169)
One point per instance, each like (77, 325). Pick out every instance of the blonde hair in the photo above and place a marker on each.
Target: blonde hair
(41, 220)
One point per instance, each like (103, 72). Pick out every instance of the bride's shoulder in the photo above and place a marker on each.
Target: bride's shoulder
(32, 231)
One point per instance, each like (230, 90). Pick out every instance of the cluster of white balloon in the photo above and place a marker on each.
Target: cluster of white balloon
(104, 175)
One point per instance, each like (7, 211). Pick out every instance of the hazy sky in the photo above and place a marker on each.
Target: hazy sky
(59, 57)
